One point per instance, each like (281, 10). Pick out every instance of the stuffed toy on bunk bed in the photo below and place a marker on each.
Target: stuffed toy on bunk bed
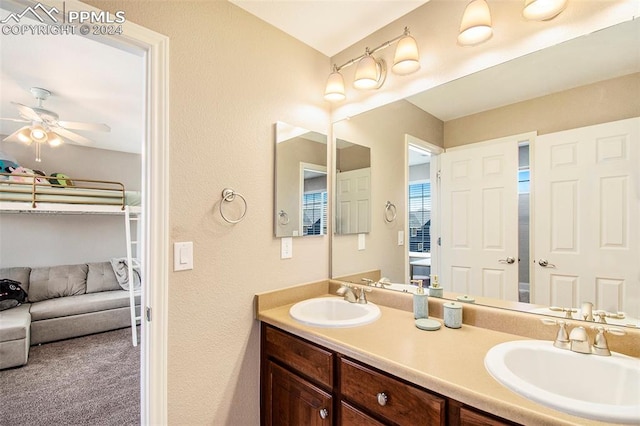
(17, 172)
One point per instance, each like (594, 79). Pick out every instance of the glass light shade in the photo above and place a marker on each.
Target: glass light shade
(335, 87)
(542, 10)
(38, 134)
(406, 59)
(24, 136)
(53, 139)
(475, 27)
(367, 73)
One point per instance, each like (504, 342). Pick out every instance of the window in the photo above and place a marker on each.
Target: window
(314, 213)
(420, 217)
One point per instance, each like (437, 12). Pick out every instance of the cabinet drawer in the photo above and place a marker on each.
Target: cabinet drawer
(405, 404)
(302, 356)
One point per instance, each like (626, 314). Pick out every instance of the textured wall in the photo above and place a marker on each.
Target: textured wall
(610, 100)
(232, 77)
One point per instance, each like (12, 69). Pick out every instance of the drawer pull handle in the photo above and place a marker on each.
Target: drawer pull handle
(324, 413)
(382, 398)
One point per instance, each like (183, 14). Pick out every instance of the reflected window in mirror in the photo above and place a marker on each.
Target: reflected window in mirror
(300, 182)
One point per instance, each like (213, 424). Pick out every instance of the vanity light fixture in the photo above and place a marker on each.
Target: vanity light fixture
(371, 72)
(475, 26)
(542, 10)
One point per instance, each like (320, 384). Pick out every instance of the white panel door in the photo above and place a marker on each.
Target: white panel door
(480, 218)
(586, 217)
(353, 210)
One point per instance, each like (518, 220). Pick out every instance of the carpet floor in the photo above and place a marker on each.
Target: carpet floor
(90, 380)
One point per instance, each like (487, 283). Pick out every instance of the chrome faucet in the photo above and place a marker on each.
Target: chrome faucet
(578, 339)
(346, 290)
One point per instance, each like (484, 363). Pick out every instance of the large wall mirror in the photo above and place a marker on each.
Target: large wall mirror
(300, 182)
(591, 80)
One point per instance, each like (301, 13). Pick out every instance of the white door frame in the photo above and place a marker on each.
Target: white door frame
(435, 152)
(155, 189)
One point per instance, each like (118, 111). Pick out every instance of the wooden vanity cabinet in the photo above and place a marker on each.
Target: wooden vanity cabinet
(303, 383)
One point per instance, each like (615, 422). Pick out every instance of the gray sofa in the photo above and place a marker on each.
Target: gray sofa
(63, 302)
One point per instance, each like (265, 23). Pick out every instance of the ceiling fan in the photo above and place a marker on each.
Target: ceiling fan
(45, 126)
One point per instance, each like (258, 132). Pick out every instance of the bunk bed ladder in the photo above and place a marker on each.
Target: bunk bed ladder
(129, 218)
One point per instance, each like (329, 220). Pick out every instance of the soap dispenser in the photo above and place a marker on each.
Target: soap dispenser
(434, 289)
(420, 303)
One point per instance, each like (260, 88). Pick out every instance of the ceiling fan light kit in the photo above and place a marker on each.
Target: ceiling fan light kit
(475, 28)
(44, 127)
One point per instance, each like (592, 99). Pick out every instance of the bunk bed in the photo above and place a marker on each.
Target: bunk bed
(29, 193)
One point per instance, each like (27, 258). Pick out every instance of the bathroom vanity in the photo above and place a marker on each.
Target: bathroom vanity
(389, 371)
(306, 384)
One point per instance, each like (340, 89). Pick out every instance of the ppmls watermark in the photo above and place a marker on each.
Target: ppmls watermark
(53, 21)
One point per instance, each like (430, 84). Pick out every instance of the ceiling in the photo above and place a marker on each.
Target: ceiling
(89, 82)
(329, 26)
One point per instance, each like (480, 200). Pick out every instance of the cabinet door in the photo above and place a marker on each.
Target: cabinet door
(350, 416)
(292, 401)
(473, 418)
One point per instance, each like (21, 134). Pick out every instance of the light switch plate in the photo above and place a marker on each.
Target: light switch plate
(361, 241)
(286, 248)
(183, 256)
(400, 238)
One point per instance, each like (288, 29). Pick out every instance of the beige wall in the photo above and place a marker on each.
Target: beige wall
(610, 100)
(386, 138)
(232, 77)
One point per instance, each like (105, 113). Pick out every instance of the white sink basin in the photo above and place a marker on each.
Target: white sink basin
(334, 312)
(605, 388)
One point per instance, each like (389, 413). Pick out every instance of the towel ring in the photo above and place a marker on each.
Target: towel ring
(228, 195)
(283, 217)
(390, 212)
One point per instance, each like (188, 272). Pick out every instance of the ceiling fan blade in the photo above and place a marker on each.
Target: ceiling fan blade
(70, 135)
(13, 136)
(27, 112)
(17, 120)
(75, 125)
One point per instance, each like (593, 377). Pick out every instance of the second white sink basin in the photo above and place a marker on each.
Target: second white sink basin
(334, 312)
(605, 388)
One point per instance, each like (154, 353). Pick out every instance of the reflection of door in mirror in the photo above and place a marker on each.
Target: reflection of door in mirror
(480, 218)
(300, 182)
(353, 188)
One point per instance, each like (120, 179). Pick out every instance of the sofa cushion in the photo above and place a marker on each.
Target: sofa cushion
(18, 273)
(80, 304)
(57, 281)
(15, 323)
(101, 278)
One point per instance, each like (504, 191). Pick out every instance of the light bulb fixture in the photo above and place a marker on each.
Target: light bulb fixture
(38, 134)
(407, 58)
(542, 10)
(335, 86)
(53, 139)
(475, 26)
(24, 136)
(371, 72)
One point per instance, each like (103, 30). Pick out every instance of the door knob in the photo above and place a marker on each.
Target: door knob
(545, 264)
(509, 260)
